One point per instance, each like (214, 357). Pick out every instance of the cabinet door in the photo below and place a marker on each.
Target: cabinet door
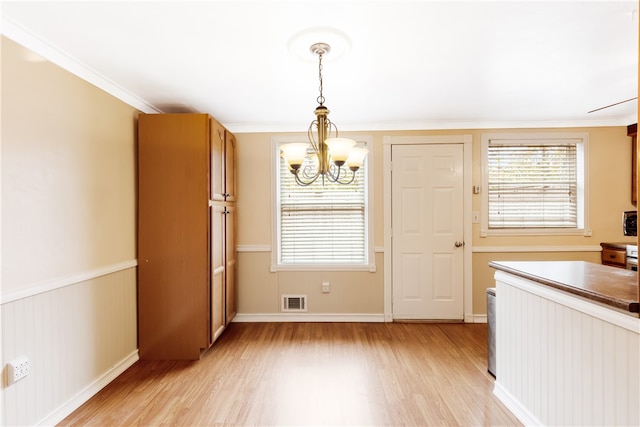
(230, 253)
(230, 167)
(217, 161)
(173, 236)
(218, 272)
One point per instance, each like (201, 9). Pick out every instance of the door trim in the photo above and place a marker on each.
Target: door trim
(466, 141)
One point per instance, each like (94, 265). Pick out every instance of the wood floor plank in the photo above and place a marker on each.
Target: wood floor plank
(275, 374)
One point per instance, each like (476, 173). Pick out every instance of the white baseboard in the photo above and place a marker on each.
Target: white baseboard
(516, 408)
(329, 317)
(306, 317)
(74, 403)
(475, 318)
(479, 318)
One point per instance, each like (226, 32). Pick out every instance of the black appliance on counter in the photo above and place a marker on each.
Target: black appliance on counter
(630, 223)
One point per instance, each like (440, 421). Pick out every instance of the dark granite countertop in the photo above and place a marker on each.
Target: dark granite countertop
(612, 286)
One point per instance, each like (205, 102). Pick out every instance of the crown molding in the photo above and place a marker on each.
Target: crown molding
(237, 128)
(64, 60)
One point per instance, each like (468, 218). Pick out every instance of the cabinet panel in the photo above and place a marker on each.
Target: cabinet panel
(614, 254)
(614, 257)
(230, 167)
(218, 273)
(223, 177)
(230, 255)
(173, 235)
(217, 161)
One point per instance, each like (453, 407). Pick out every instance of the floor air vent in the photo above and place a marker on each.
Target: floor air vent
(294, 303)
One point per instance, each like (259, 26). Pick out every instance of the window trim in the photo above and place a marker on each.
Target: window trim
(582, 140)
(369, 265)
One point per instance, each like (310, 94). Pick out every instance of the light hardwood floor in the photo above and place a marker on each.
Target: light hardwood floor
(275, 374)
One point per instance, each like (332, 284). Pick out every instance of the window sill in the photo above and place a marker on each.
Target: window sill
(370, 268)
(536, 232)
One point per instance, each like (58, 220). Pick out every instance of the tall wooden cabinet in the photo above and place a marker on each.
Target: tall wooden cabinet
(186, 234)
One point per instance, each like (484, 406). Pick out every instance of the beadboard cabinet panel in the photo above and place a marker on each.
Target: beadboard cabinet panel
(563, 360)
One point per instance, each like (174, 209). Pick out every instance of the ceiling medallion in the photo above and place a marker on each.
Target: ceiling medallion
(299, 43)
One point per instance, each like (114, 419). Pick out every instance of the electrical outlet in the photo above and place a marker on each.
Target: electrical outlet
(18, 369)
(326, 287)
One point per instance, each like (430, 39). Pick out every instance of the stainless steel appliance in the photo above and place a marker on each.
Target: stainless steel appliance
(491, 330)
(632, 257)
(630, 223)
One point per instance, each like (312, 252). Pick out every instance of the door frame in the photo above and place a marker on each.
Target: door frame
(467, 189)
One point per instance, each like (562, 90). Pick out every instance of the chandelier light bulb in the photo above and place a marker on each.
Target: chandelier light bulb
(356, 158)
(294, 154)
(339, 149)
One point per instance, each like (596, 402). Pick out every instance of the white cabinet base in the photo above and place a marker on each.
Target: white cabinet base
(564, 360)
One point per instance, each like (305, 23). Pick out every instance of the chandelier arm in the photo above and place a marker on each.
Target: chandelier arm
(308, 172)
(332, 126)
(306, 183)
(334, 174)
(311, 136)
(353, 177)
(335, 177)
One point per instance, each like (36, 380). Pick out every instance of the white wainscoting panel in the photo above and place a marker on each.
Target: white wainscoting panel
(74, 337)
(558, 365)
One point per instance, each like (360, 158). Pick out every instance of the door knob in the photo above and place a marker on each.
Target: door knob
(459, 243)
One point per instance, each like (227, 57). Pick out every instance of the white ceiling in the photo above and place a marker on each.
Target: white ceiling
(408, 64)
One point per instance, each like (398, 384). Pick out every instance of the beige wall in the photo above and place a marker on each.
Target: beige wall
(68, 237)
(68, 173)
(357, 292)
(259, 289)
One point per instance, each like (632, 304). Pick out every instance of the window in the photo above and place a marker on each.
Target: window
(321, 226)
(534, 184)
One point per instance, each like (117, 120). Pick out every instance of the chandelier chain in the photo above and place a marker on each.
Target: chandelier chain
(320, 98)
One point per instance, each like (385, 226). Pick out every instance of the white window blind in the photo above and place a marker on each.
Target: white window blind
(532, 185)
(322, 224)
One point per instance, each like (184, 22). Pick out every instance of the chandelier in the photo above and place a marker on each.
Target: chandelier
(326, 154)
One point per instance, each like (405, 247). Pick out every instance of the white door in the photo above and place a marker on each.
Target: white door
(427, 231)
